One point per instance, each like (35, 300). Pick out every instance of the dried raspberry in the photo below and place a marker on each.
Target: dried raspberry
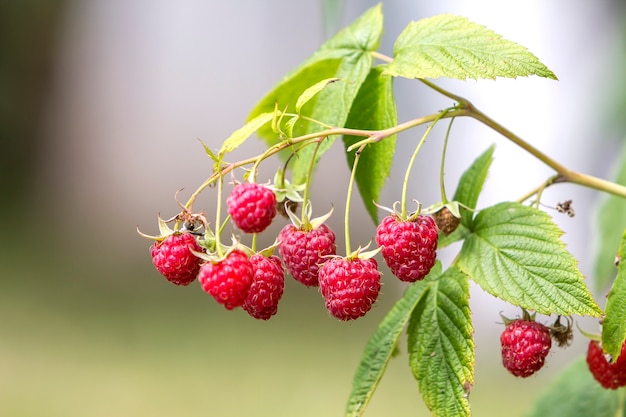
(408, 247)
(252, 207)
(267, 287)
(173, 258)
(228, 280)
(349, 286)
(525, 345)
(611, 375)
(304, 251)
(446, 221)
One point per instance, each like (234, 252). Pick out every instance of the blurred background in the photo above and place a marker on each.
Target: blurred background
(102, 104)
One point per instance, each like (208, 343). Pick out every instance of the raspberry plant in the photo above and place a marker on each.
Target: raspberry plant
(512, 249)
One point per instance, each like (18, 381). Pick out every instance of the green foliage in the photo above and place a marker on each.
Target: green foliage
(452, 46)
(469, 188)
(514, 253)
(373, 109)
(346, 56)
(441, 346)
(286, 93)
(576, 394)
(312, 91)
(614, 324)
(611, 221)
(238, 137)
(380, 348)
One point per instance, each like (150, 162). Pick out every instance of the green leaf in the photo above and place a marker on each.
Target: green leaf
(611, 220)
(460, 233)
(312, 91)
(471, 184)
(574, 393)
(354, 45)
(373, 109)
(380, 349)
(441, 347)
(515, 253)
(614, 325)
(285, 94)
(347, 56)
(240, 135)
(452, 46)
(467, 192)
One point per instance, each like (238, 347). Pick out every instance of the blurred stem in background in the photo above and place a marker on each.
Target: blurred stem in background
(29, 31)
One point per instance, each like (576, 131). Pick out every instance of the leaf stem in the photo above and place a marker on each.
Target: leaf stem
(304, 219)
(444, 198)
(564, 174)
(218, 215)
(409, 168)
(357, 156)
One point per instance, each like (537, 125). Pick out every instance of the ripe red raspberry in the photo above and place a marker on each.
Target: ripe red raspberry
(304, 251)
(350, 286)
(173, 258)
(525, 345)
(252, 207)
(228, 280)
(610, 375)
(408, 247)
(267, 287)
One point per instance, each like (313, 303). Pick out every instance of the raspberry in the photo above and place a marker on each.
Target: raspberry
(304, 251)
(252, 207)
(173, 258)
(408, 247)
(267, 287)
(525, 345)
(228, 280)
(349, 286)
(611, 375)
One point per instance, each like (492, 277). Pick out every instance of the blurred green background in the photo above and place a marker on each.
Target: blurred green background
(101, 103)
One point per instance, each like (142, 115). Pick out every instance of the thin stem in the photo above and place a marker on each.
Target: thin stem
(253, 247)
(304, 219)
(218, 215)
(346, 222)
(382, 57)
(564, 173)
(444, 198)
(409, 168)
(483, 118)
(538, 190)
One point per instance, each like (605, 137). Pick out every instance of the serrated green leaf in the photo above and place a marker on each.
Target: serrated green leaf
(286, 93)
(347, 55)
(312, 91)
(441, 346)
(380, 348)
(354, 45)
(446, 240)
(515, 253)
(614, 323)
(239, 136)
(611, 217)
(471, 184)
(467, 193)
(574, 393)
(454, 47)
(373, 109)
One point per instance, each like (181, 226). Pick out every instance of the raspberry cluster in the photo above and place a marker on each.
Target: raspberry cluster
(239, 276)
